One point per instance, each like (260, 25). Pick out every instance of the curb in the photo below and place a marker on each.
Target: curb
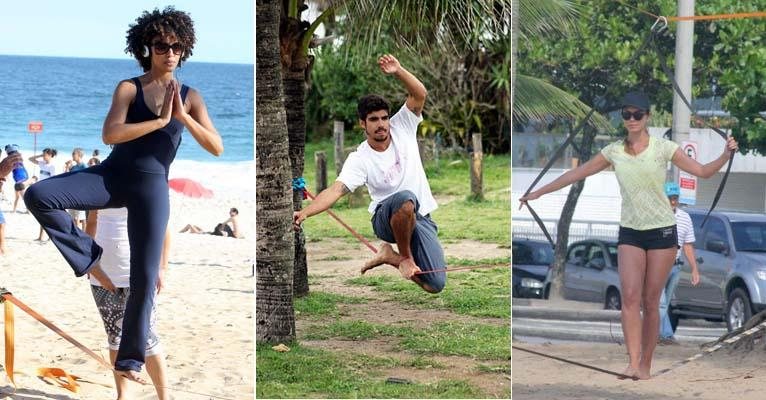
(566, 314)
(604, 337)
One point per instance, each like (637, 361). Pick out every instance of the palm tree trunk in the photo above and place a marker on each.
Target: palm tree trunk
(275, 317)
(295, 65)
(294, 84)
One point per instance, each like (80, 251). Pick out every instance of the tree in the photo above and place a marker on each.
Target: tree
(275, 318)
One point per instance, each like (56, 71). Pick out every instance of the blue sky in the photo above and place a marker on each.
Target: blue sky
(97, 28)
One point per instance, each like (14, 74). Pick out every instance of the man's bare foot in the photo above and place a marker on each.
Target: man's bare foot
(132, 376)
(102, 278)
(408, 268)
(386, 255)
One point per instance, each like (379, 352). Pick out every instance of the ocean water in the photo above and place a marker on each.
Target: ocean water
(71, 96)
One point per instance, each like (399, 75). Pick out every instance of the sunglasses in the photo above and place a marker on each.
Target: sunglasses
(162, 48)
(637, 115)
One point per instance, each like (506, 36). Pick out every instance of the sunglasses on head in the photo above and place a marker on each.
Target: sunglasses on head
(162, 48)
(637, 115)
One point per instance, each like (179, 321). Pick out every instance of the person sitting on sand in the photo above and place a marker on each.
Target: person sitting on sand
(109, 227)
(388, 162)
(228, 228)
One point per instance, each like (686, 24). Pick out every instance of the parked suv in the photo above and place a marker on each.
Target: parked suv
(590, 273)
(531, 261)
(731, 256)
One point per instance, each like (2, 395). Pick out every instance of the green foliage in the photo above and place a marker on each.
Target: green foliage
(309, 373)
(593, 61)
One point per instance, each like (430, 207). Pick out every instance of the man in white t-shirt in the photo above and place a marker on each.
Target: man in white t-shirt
(686, 241)
(388, 162)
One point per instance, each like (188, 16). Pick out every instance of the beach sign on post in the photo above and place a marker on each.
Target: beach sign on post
(35, 128)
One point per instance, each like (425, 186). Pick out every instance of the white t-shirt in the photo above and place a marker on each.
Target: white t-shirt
(112, 236)
(393, 170)
(46, 169)
(684, 228)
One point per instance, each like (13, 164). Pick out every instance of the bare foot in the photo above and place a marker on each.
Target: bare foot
(102, 278)
(132, 376)
(386, 255)
(629, 372)
(644, 373)
(408, 268)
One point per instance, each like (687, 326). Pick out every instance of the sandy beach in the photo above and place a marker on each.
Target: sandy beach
(204, 314)
(723, 374)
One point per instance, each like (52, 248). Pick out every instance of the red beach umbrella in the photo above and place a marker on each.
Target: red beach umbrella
(190, 188)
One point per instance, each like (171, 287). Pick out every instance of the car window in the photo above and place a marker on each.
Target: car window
(749, 236)
(577, 254)
(697, 222)
(532, 254)
(521, 254)
(613, 255)
(596, 256)
(715, 230)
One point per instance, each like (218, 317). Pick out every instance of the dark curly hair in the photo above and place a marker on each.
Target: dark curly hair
(157, 23)
(371, 103)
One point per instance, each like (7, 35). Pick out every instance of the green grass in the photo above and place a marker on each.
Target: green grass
(323, 304)
(444, 338)
(480, 293)
(352, 330)
(496, 369)
(467, 262)
(461, 339)
(309, 373)
(489, 219)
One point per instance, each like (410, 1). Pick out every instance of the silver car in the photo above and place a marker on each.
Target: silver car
(590, 273)
(731, 256)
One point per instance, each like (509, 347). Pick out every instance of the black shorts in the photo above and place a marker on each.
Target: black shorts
(650, 239)
(19, 186)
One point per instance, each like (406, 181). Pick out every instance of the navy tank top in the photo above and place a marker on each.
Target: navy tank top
(154, 151)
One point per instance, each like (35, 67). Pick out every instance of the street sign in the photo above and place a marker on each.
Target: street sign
(686, 181)
(35, 127)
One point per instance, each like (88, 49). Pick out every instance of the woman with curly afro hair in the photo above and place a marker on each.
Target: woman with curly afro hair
(144, 125)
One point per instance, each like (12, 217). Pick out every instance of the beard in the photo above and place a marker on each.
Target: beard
(377, 138)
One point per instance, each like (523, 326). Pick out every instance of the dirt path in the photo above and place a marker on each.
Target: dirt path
(332, 261)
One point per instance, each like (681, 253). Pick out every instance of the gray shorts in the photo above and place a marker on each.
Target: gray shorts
(425, 246)
(111, 306)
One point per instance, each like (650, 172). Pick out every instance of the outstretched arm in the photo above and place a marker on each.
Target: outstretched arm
(322, 202)
(693, 167)
(594, 165)
(416, 91)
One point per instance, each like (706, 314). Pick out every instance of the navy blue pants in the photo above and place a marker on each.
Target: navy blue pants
(424, 243)
(146, 197)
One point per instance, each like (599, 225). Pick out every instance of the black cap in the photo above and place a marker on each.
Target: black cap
(636, 99)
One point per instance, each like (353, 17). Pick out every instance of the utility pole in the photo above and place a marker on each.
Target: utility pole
(683, 75)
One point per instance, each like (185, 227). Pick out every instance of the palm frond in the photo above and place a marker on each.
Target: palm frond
(538, 99)
(546, 16)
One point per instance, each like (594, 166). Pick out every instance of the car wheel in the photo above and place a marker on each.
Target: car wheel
(613, 301)
(738, 309)
(673, 319)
